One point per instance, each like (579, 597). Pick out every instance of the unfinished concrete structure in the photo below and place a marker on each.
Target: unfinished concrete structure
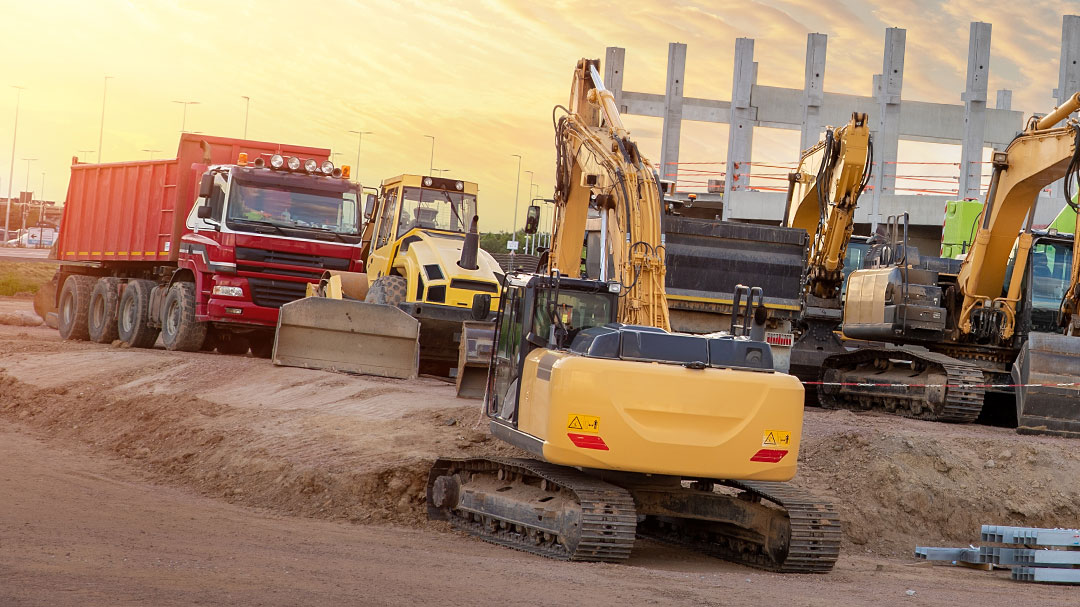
(972, 124)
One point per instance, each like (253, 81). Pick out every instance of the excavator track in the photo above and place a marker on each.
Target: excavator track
(515, 503)
(562, 513)
(929, 386)
(809, 541)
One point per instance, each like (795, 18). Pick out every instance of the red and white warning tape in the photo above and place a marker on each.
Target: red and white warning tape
(891, 385)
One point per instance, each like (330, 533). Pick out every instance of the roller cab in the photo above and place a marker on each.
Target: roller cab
(573, 387)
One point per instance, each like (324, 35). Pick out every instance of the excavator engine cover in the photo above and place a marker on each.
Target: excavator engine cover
(1052, 406)
(347, 335)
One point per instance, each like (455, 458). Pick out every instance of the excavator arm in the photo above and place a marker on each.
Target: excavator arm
(822, 197)
(1039, 156)
(600, 167)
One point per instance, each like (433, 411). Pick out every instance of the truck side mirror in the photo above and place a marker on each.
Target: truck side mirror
(205, 212)
(369, 206)
(206, 186)
(532, 219)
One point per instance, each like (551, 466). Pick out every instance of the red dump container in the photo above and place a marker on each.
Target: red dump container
(128, 211)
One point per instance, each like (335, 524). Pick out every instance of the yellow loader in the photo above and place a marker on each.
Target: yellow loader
(425, 303)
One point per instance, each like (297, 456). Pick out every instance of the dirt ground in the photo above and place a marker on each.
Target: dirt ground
(150, 477)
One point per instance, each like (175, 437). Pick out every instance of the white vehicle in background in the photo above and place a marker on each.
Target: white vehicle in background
(38, 237)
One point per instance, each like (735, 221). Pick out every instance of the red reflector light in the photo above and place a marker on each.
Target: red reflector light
(769, 455)
(589, 441)
(780, 339)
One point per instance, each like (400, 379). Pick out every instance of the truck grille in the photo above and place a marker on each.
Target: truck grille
(317, 262)
(275, 293)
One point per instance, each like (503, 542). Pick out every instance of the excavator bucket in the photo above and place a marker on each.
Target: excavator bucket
(348, 335)
(1047, 374)
(474, 355)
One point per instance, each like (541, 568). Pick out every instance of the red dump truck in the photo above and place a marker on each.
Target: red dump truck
(203, 248)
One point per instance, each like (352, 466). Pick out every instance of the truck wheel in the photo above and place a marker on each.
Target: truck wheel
(133, 315)
(387, 290)
(75, 307)
(179, 329)
(231, 343)
(104, 302)
(262, 345)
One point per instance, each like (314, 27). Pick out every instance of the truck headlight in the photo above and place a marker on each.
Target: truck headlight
(277, 161)
(228, 291)
(310, 165)
(327, 167)
(294, 163)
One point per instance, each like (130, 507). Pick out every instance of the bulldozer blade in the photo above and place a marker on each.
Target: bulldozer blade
(349, 336)
(1045, 402)
(474, 357)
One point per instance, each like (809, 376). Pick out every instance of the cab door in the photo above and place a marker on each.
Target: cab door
(382, 247)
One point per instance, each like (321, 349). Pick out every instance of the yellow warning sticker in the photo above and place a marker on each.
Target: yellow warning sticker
(588, 424)
(776, 438)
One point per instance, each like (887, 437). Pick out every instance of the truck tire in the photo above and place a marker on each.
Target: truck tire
(75, 307)
(104, 303)
(231, 343)
(262, 345)
(179, 329)
(133, 315)
(387, 290)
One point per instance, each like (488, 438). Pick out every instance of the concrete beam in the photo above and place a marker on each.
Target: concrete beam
(614, 58)
(1068, 80)
(974, 97)
(1004, 100)
(813, 89)
(741, 118)
(781, 108)
(887, 138)
(673, 111)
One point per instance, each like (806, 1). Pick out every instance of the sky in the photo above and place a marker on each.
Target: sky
(480, 76)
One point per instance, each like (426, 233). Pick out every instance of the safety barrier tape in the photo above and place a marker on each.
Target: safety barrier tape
(897, 385)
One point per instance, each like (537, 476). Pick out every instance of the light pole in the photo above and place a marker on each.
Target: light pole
(11, 171)
(41, 212)
(28, 161)
(359, 143)
(183, 123)
(432, 165)
(151, 152)
(86, 152)
(101, 130)
(247, 106)
(441, 171)
(517, 186)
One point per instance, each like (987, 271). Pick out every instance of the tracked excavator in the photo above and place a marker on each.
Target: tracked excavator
(950, 333)
(633, 430)
(822, 195)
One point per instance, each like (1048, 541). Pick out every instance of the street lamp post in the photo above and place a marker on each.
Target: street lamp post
(431, 166)
(247, 106)
(151, 152)
(517, 187)
(85, 154)
(28, 161)
(440, 171)
(11, 170)
(359, 143)
(183, 123)
(101, 129)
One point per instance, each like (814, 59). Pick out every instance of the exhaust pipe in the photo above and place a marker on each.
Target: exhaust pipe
(471, 247)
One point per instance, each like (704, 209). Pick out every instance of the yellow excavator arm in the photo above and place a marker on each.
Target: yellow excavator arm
(600, 167)
(1039, 156)
(822, 195)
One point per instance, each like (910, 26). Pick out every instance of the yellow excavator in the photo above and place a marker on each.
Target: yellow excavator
(425, 302)
(822, 195)
(992, 322)
(633, 430)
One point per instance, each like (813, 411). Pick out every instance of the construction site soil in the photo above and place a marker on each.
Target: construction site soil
(218, 464)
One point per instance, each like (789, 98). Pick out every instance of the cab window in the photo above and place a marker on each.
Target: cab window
(386, 218)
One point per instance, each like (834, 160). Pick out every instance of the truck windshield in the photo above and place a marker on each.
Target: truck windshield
(435, 210)
(295, 201)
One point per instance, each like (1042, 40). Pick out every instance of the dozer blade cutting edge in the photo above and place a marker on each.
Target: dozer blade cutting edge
(474, 354)
(1052, 405)
(350, 336)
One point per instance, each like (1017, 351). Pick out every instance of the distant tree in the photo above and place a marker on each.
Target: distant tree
(495, 242)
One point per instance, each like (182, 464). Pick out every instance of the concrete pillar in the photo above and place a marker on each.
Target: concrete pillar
(673, 110)
(1068, 77)
(813, 89)
(974, 97)
(1004, 99)
(890, 86)
(614, 58)
(741, 122)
